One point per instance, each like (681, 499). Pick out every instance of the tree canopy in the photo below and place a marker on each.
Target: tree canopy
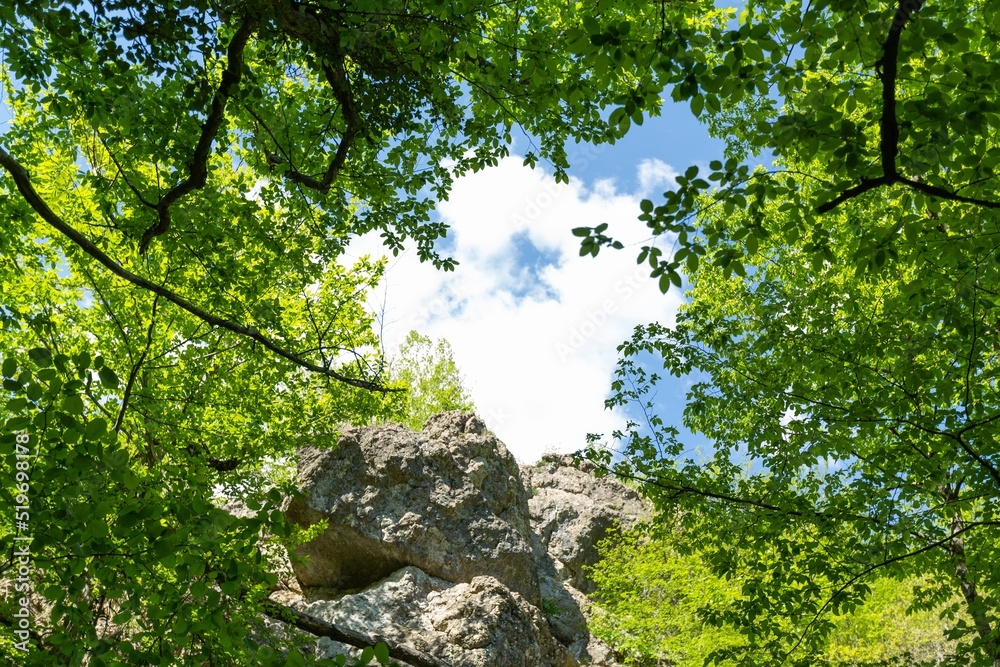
(180, 181)
(852, 415)
(434, 384)
(891, 102)
(840, 322)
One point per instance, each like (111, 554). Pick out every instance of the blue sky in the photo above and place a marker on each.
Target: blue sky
(534, 326)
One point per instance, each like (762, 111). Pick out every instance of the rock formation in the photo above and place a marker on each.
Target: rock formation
(438, 543)
(449, 501)
(572, 510)
(477, 624)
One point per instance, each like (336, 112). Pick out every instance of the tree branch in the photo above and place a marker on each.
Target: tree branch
(690, 490)
(336, 76)
(887, 69)
(322, 36)
(979, 458)
(121, 172)
(198, 167)
(956, 547)
(24, 186)
(130, 384)
(863, 187)
(316, 626)
(936, 191)
(871, 568)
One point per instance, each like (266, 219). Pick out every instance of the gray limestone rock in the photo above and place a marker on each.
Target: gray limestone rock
(476, 624)
(431, 540)
(448, 500)
(572, 511)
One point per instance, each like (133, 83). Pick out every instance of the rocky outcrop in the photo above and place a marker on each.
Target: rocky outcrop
(572, 510)
(431, 542)
(449, 501)
(477, 624)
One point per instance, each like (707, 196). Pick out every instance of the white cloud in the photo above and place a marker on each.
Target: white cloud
(533, 325)
(655, 177)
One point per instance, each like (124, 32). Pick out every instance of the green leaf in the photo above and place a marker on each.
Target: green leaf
(96, 428)
(697, 105)
(117, 458)
(17, 404)
(692, 264)
(664, 283)
(41, 356)
(73, 404)
(108, 377)
(82, 360)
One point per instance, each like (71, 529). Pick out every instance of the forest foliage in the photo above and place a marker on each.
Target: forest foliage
(840, 325)
(181, 179)
(426, 368)
(656, 598)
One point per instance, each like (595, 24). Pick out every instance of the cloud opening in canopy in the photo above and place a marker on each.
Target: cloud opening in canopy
(534, 326)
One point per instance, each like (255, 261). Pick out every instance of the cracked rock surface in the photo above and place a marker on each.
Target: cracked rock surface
(448, 500)
(439, 540)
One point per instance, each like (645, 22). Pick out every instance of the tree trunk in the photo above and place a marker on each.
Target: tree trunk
(991, 643)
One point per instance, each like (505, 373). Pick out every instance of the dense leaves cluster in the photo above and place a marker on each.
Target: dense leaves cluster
(658, 599)
(180, 184)
(894, 101)
(853, 416)
(841, 320)
(127, 560)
